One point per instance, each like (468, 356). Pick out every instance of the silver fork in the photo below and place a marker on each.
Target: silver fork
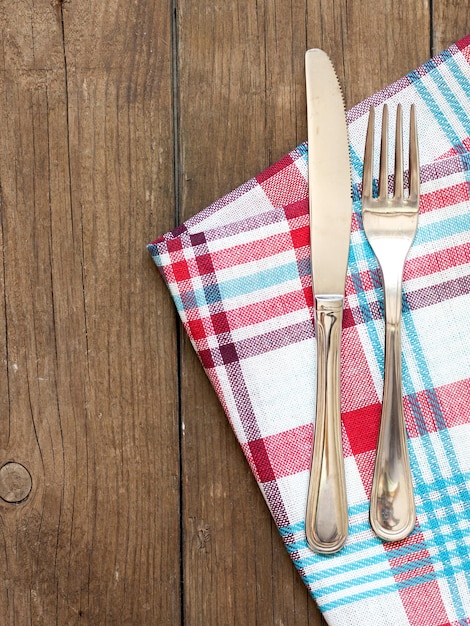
(390, 224)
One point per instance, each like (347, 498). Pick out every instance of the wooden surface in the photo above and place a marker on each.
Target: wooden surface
(124, 496)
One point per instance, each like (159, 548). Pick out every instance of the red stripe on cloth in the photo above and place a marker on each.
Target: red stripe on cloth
(432, 612)
(220, 323)
(357, 385)
(196, 329)
(252, 251)
(301, 237)
(455, 402)
(294, 235)
(205, 265)
(284, 454)
(438, 261)
(274, 169)
(174, 245)
(348, 319)
(180, 271)
(206, 358)
(269, 309)
(399, 563)
(356, 223)
(448, 290)
(444, 198)
(286, 186)
(367, 280)
(453, 152)
(308, 295)
(365, 464)
(362, 428)
(463, 43)
(410, 556)
(296, 210)
(426, 570)
(260, 461)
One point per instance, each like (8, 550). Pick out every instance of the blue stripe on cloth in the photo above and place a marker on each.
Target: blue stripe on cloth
(369, 542)
(430, 100)
(427, 233)
(451, 98)
(385, 574)
(302, 151)
(454, 225)
(235, 287)
(359, 251)
(447, 488)
(356, 168)
(368, 593)
(448, 557)
(443, 534)
(351, 568)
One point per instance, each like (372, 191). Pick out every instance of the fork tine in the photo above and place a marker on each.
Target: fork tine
(383, 175)
(413, 158)
(368, 158)
(390, 224)
(398, 193)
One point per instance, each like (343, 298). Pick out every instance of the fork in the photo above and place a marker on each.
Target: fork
(390, 224)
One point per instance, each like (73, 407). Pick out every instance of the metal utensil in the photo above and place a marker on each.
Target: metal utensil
(330, 208)
(390, 224)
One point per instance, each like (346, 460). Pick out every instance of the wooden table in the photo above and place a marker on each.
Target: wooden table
(124, 496)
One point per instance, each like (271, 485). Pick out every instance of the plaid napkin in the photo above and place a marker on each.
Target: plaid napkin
(239, 273)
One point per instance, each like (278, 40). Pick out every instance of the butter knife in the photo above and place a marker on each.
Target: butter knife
(330, 207)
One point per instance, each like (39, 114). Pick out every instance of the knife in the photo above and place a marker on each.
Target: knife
(330, 206)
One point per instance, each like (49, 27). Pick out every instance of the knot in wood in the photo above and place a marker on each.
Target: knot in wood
(15, 482)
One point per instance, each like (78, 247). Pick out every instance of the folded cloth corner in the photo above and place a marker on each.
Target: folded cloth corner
(239, 274)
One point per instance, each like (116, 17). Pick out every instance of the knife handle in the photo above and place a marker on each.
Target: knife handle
(327, 510)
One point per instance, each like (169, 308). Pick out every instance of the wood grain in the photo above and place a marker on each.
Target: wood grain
(124, 496)
(376, 47)
(88, 369)
(451, 22)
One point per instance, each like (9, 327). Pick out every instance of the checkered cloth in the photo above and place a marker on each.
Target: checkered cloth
(239, 273)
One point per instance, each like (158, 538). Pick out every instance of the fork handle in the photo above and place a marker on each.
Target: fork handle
(327, 513)
(392, 507)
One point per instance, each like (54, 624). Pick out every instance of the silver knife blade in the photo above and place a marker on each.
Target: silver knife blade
(329, 175)
(330, 207)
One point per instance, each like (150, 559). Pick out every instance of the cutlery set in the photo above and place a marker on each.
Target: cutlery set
(390, 222)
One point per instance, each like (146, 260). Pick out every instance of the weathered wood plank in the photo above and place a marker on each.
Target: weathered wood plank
(88, 367)
(451, 22)
(34, 183)
(122, 195)
(371, 46)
